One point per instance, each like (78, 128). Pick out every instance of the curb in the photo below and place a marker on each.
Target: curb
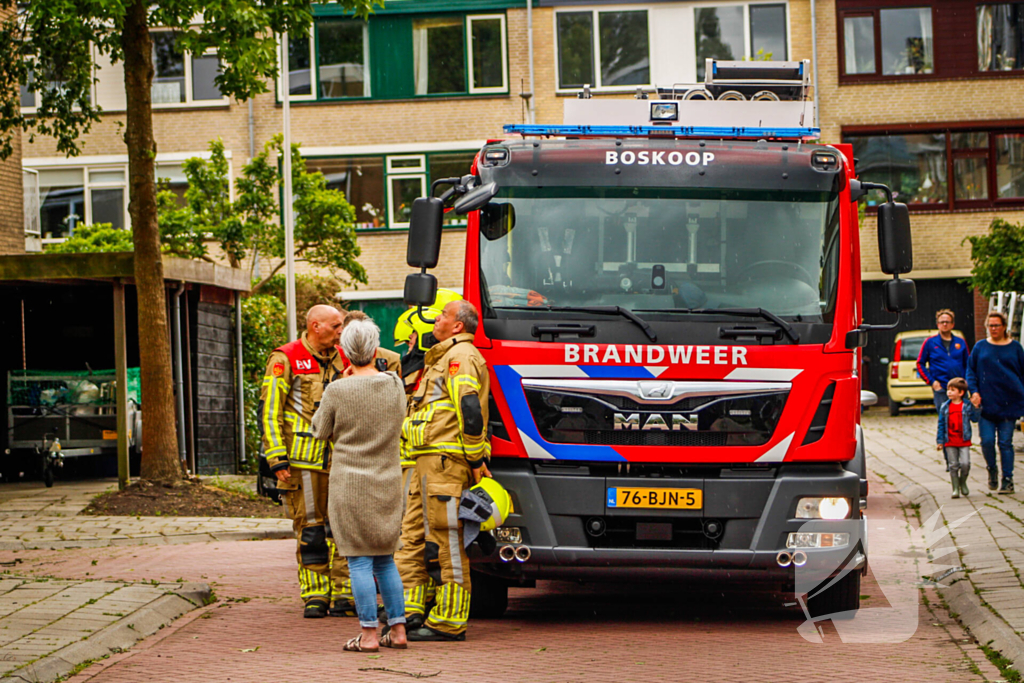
(983, 622)
(118, 636)
(156, 539)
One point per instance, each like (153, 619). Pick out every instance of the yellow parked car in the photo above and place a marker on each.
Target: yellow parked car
(904, 385)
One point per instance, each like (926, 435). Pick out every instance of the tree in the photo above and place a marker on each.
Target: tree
(47, 48)
(325, 233)
(998, 258)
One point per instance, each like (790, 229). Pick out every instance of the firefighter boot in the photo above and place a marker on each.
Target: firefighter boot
(315, 609)
(954, 476)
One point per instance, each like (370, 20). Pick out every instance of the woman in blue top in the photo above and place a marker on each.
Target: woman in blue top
(995, 377)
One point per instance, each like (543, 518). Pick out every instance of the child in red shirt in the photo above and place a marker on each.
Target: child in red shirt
(954, 434)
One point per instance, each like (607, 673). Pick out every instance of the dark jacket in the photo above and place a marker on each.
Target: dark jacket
(997, 373)
(935, 363)
(971, 414)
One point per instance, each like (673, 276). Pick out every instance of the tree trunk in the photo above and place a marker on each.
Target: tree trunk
(159, 438)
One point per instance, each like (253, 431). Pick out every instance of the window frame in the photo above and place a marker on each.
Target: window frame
(468, 19)
(596, 11)
(390, 172)
(190, 102)
(315, 62)
(748, 36)
(953, 205)
(876, 26)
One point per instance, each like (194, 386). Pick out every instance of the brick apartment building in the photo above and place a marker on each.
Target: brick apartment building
(13, 219)
(927, 92)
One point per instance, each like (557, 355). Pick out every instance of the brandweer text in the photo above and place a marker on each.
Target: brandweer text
(650, 355)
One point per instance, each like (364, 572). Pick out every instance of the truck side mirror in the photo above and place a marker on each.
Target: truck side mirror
(420, 289)
(476, 198)
(894, 247)
(899, 295)
(425, 234)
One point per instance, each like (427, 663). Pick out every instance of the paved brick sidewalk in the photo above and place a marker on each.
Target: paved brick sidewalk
(49, 626)
(992, 541)
(559, 632)
(32, 516)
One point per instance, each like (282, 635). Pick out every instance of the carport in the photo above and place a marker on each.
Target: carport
(74, 312)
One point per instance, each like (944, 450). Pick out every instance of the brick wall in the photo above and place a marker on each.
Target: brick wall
(12, 217)
(937, 236)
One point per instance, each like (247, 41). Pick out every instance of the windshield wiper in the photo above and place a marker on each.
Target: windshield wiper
(743, 312)
(604, 310)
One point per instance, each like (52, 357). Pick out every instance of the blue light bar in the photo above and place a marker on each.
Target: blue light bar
(752, 133)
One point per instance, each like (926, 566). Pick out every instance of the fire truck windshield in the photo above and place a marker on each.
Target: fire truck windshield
(659, 249)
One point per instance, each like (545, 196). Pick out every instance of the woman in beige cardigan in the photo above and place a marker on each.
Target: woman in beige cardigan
(362, 416)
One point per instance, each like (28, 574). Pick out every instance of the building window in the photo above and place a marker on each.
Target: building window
(383, 188)
(888, 42)
(69, 197)
(180, 77)
(1000, 37)
(341, 59)
(616, 54)
(738, 32)
(953, 169)
(397, 57)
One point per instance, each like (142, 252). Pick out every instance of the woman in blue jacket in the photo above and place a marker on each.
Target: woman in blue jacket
(995, 378)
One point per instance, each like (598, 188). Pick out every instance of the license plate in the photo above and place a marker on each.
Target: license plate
(675, 499)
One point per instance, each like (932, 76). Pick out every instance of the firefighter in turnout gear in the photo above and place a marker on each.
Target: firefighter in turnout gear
(296, 376)
(445, 433)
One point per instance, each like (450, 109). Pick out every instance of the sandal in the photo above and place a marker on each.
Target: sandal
(355, 645)
(385, 641)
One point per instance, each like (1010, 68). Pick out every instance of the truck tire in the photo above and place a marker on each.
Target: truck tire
(841, 597)
(894, 407)
(489, 596)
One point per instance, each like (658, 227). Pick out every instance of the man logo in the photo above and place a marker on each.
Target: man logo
(655, 421)
(656, 390)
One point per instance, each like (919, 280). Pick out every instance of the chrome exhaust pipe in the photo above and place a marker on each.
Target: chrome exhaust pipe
(523, 553)
(507, 553)
(784, 559)
(799, 558)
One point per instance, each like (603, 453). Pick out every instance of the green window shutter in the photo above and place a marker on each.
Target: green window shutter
(391, 57)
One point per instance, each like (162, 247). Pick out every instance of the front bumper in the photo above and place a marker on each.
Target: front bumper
(754, 508)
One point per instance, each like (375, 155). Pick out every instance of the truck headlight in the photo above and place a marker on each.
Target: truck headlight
(823, 508)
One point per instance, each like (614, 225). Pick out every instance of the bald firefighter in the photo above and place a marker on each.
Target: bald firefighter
(296, 376)
(445, 432)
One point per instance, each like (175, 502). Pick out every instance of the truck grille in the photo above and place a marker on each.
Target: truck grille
(612, 438)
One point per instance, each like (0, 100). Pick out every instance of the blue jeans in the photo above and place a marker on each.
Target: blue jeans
(363, 570)
(990, 430)
(939, 398)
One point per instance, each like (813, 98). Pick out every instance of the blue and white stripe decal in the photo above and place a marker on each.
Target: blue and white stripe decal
(510, 379)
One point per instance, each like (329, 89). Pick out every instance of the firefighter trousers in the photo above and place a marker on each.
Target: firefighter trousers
(323, 573)
(432, 551)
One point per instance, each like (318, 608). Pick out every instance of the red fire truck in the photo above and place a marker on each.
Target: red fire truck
(671, 312)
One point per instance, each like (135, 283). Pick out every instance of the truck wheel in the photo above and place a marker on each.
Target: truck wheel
(489, 596)
(894, 407)
(843, 596)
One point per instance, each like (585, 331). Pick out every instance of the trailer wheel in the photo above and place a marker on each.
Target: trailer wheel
(490, 596)
(841, 597)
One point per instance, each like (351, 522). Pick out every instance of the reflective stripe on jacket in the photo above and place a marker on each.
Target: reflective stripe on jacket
(448, 411)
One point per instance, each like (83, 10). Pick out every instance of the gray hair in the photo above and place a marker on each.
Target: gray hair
(359, 341)
(465, 313)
